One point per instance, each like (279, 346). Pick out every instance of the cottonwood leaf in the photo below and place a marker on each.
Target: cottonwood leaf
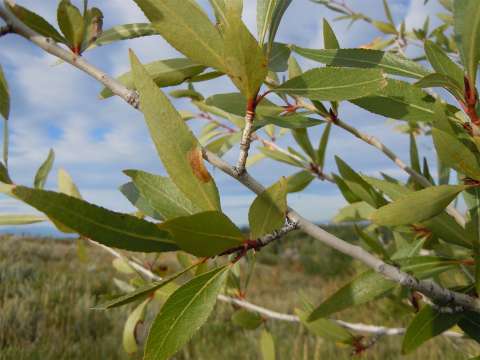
(164, 73)
(334, 84)
(427, 324)
(365, 58)
(267, 212)
(107, 227)
(162, 194)
(204, 234)
(187, 28)
(417, 206)
(176, 145)
(184, 312)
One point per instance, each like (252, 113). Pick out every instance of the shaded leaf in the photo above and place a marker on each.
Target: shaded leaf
(267, 212)
(129, 331)
(281, 156)
(330, 40)
(267, 346)
(4, 96)
(427, 324)
(326, 329)
(130, 191)
(17, 219)
(322, 148)
(442, 81)
(125, 32)
(470, 324)
(185, 311)
(247, 319)
(204, 234)
(442, 63)
(299, 181)
(71, 24)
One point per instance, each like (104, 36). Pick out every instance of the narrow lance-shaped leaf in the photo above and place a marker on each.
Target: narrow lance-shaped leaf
(4, 96)
(162, 194)
(164, 73)
(107, 227)
(365, 58)
(299, 181)
(303, 140)
(330, 40)
(204, 234)
(442, 81)
(470, 324)
(36, 22)
(245, 60)
(455, 154)
(71, 23)
(125, 32)
(467, 34)
(187, 28)
(143, 292)
(288, 122)
(268, 210)
(417, 206)
(280, 9)
(185, 311)
(334, 84)
(129, 331)
(247, 319)
(322, 148)
(17, 219)
(442, 63)
(326, 329)
(267, 346)
(402, 101)
(265, 10)
(130, 191)
(177, 146)
(427, 324)
(43, 171)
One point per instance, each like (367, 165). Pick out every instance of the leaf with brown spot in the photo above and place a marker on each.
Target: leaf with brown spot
(195, 158)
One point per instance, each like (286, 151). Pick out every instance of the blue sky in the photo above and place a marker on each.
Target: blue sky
(56, 106)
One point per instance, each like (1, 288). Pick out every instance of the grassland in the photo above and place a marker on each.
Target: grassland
(47, 292)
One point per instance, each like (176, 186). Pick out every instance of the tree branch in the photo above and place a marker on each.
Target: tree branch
(4, 30)
(247, 135)
(439, 295)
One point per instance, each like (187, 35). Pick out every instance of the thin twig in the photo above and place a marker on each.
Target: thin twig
(4, 30)
(246, 136)
(439, 295)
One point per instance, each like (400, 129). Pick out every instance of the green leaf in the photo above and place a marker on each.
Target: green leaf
(281, 156)
(107, 227)
(164, 73)
(129, 331)
(334, 84)
(125, 32)
(71, 23)
(345, 190)
(322, 148)
(247, 319)
(162, 194)
(326, 329)
(442, 81)
(43, 171)
(143, 292)
(358, 185)
(299, 181)
(177, 146)
(130, 191)
(303, 140)
(455, 154)
(245, 60)
(36, 22)
(294, 68)
(236, 103)
(267, 346)
(185, 311)
(205, 234)
(365, 58)
(280, 9)
(442, 63)
(4, 96)
(66, 184)
(187, 28)
(357, 211)
(467, 34)
(362, 289)
(279, 55)
(417, 206)
(267, 212)
(265, 11)
(470, 324)
(402, 101)
(330, 40)
(4, 175)
(288, 122)
(427, 324)
(16, 219)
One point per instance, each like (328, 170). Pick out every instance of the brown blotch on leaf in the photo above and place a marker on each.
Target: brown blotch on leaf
(195, 158)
